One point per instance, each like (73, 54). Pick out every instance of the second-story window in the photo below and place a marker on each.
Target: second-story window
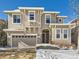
(16, 18)
(47, 18)
(31, 15)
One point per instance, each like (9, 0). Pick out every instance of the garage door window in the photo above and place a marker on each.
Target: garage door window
(25, 36)
(16, 36)
(13, 36)
(28, 36)
(34, 36)
(21, 36)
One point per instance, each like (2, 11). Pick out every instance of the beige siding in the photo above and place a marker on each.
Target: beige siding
(11, 25)
(43, 21)
(24, 20)
(43, 25)
(53, 18)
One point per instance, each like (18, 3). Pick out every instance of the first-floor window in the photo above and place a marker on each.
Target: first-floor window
(16, 18)
(58, 33)
(65, 33)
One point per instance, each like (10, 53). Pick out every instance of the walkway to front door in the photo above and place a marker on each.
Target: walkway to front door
(45, 36)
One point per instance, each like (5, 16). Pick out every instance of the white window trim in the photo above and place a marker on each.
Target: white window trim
(13, 19)
(45, 18)
(56, 33)
(29, 16)
(67, 33)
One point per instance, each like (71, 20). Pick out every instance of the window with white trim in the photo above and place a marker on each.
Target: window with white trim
(16, 18)
(47, 18)
(58, 33)
(65, 33)
(31, 15)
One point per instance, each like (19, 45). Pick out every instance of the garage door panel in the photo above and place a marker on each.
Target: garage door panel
(28, 40)
(14, 42)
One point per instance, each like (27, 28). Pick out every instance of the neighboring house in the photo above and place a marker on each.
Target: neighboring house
(75, 32)
(3, 36)
(32, 25)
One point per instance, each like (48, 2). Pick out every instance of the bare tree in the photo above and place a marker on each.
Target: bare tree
(75, 6)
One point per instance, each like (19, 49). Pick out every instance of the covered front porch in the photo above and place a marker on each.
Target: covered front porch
(61, 34)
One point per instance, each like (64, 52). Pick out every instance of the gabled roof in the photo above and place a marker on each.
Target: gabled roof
(33, 8)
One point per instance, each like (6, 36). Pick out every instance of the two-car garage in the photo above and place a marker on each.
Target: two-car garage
(27, 39)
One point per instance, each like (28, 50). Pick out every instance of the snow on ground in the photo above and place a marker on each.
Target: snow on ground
(56, 54)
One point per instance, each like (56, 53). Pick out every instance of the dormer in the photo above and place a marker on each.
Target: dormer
(60, 19)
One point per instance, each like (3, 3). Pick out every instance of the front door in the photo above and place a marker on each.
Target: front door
(45, 36)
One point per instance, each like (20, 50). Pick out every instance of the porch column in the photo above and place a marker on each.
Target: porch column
(70, 34)
(53, 33)
(9, 40)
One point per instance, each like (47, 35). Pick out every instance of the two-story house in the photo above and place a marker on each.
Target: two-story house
(33, 25)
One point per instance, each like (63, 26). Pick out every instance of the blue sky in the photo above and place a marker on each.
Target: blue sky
(62, 6)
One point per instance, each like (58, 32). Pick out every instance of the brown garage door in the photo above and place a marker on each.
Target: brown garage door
(26, 39)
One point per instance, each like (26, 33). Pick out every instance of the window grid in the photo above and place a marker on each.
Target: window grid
(58, 33)
(31, 15)
(16, 18)
(47, 18)
(65, 33)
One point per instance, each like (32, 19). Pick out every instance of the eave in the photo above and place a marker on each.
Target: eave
(32, 8)
(62, 16)
(12, 11)
(59, 24)
(51, 12)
